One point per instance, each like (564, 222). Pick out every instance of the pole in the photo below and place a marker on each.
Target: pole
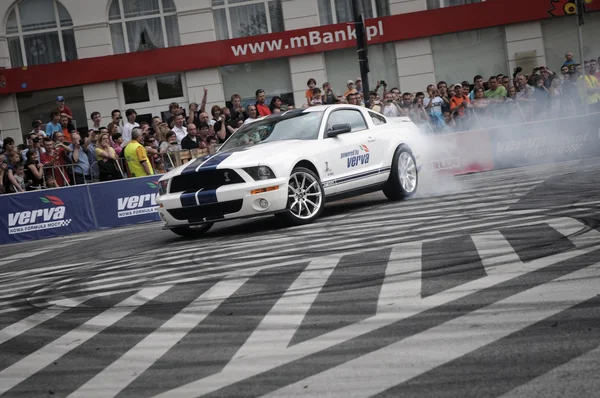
(361, 46)
(580, 23)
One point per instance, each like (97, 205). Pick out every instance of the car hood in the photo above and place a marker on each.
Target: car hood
(246, 156)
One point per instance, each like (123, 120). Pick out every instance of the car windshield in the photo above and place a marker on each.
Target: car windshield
(294, 125)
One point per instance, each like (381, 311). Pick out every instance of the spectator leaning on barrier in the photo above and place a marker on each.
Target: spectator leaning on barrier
(34, 171)
(108, 168)
(136, 156)
(80, 160)
(170, 144)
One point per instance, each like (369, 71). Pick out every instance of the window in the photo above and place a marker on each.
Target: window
(431, 4)
(342, 65)
(334, 11)
(378, 120)
(460, 56)
(560, 36)
(138, 25)
(155, 89)
(347, 116)
(39, 32)
(253, 17)
(271, 75)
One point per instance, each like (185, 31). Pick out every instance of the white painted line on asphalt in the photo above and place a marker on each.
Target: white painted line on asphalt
(118, 375)
(330, 339)
(402, 284)
(399, 362)
(26, 367)
(278, 327)
(36, 319)
(576, 378)
(21, 256)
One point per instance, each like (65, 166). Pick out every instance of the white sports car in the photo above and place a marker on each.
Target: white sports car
(290, 165)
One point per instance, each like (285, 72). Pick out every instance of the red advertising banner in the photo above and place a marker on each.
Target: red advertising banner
(282, 44)
(460, 153)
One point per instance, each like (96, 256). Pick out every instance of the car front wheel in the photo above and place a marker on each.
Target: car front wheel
(404, 177)
(193, 231)
(306, 198)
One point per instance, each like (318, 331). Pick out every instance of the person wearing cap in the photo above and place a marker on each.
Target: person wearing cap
(62, 108)
(33, 144)
(351, 89)
(37, 129)
(358, 85)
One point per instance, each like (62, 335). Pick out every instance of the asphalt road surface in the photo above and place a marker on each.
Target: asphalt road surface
(485, 285)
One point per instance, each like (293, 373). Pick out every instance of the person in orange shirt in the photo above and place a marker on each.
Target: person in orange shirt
(261, 107)
(311, 83)
(66, 127)
(459, 105)
(351, 89)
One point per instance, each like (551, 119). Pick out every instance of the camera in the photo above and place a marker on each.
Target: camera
(383, 83)
(35, 140)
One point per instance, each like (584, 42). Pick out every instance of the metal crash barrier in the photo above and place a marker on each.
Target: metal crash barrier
(79, 208)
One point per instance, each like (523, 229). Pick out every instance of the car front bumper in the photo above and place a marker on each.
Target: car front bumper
(232, 202)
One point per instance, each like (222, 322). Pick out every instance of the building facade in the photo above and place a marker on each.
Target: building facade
(144, 54)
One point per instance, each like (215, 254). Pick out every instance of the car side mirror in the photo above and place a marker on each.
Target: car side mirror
(339, 129)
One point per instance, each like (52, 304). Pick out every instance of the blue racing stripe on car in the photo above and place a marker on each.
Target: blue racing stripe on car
(198, 198)
(215, 161)
(193, 165)
(354, 177)
(188, 199)
(357, 176)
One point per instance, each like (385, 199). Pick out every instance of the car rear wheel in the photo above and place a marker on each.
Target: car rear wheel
(192, 231)
(404, 177)
(306, 198)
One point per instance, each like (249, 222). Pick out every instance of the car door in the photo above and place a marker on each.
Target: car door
(354, 159)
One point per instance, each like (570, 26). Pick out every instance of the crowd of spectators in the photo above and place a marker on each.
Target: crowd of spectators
(484, 102)
(58, 155)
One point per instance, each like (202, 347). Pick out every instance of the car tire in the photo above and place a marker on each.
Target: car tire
(306, 198)
(192, 231)
(404, 177)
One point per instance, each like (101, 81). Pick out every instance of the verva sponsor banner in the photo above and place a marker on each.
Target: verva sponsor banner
(459, 153)
(546, 141)
(125, 202)
(45, 214)
(275, 45)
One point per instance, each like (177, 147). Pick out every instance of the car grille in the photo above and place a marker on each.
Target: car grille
(213, 211)
(204, 179)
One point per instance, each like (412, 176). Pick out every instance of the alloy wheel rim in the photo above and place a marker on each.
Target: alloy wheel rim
(304, 195)
(407, 171)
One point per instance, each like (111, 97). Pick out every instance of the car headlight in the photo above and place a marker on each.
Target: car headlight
(162, 187)
(260, 172)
